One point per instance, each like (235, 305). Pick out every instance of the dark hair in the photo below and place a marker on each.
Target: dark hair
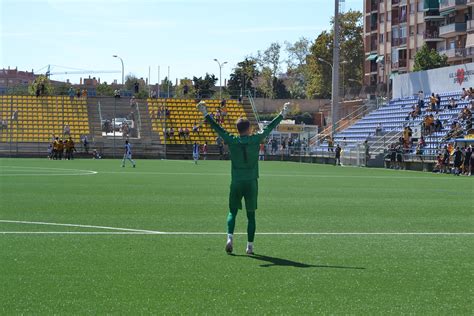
(242, 125)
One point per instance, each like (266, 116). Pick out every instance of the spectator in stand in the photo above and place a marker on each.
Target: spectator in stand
(438, 125)
(186, 133)
(218, 116)
(274, 146)
(240, 98)
(428, 123)
(167, 113)
(4, 124)
(378, 130)
(458, 159)
(464, 94)
(71, 93)
(454, 132)
(421, 99)
(166, 133)
(432, 102)
(223, 103)
(338, 155)
(78, 93)
(195, 128)
(330, 144)
(452, 104)
(133, 102)
(117, 93)
(180, 133)
(15, 116)
(171, 132)
(66, 130)
(421, 142)
(465, 114)
(407, 133)
(84, 93)
(438, 103)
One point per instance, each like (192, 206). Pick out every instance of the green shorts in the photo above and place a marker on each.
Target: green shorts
(243, 189)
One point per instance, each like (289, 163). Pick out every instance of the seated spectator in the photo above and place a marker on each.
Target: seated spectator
(181, 132)
(4, 124)
(84, 93)
(438, 125)
(223, 103)
(464, 94)
(455, 132)
(432, 102)
(167, 113)
(428, 123)
(166, 132)
(452, 104)
(67, 130)
(421, 99)
(195, 128)
(465, 114)
(421, 142)
(186, 132)
(171, 132)
(378, 130)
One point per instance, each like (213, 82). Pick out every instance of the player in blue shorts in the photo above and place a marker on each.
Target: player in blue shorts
(128, 154)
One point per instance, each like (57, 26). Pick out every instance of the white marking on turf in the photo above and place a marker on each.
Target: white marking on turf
(81, 226)
(45, 171)
(132, 231)
(276, 175)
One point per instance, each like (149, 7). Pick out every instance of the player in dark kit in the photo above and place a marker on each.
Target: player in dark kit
(244, 149)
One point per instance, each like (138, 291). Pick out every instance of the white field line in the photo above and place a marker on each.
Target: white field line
(130, 231)
(44, 171)
(80, 226)
(275, 175)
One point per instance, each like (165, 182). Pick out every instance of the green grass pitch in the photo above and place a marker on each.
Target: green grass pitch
(47, 269)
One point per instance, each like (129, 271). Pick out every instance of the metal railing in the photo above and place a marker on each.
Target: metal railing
(254, 108)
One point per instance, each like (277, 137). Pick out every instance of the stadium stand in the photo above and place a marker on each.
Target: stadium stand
(183, 114)
(393, 119)
(37, 119)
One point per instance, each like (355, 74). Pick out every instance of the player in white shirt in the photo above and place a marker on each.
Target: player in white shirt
(128, 154)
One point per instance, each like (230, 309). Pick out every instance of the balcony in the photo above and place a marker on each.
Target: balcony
(470, 26)
(401, 63)
(432, 36)
(457, 54)
(470, 2)
(451, 5)
(452, 30)
(399, 41)
(433, 15)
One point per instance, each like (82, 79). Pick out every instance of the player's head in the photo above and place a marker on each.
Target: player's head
(126, 142)
(243, 126)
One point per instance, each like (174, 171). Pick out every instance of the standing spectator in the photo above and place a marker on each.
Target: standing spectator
(78, 93)
(220, 145)
(432, 102)
(261, 152)
(240, 99)
(458, 155)
(204, 151)
(378, 130)
(85, 144)
(467, 159)
(446, 155)
(274, 146)
(464, 94)
(367, 152)
(84, 93)
(438, 103)
(15, 116)
(421, 99)
(133, 102)
(338, 155)
(71, 93)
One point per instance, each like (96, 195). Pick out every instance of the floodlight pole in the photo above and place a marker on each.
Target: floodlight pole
(335, 71)
(220, 76)
(121, 60)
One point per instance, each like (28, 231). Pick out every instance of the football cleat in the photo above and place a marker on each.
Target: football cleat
(229, 246)
(249, 251)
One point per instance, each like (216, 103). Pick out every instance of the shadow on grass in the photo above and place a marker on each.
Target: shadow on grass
(279, 262)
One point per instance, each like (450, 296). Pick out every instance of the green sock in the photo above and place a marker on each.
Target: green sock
(231, 221)
(251, 226)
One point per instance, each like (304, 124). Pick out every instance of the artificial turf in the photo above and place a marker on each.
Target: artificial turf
(67, 273)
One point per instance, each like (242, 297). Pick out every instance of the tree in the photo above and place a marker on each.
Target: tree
(40, 82)
(62, 88)
(205, 86)
(242, 78)
(185, 89)
(131, 80)
(104, 90)
(297, 71)
(165, 84)
(269, 63)
(351, 51)
(426, 59)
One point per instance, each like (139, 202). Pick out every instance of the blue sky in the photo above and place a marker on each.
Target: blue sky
(183, 34)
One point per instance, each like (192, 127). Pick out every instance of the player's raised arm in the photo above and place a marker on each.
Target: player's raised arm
(216, 127)
(283, 114)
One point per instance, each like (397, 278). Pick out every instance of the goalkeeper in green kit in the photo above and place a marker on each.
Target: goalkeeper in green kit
(244, 150)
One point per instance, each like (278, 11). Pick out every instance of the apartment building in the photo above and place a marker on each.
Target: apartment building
(394, 30)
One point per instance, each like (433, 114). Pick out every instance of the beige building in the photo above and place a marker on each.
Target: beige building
(394, 30)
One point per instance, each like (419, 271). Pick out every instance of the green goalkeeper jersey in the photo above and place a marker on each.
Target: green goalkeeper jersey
(244, 149)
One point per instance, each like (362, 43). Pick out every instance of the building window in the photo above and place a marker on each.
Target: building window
(381, 38)
(412, 8)
(412, 30)
(382, 17)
